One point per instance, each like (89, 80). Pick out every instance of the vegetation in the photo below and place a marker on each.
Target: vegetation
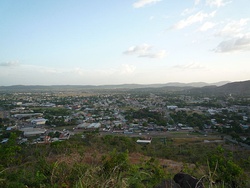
(191, 119)
(116, 161)
(145, 113)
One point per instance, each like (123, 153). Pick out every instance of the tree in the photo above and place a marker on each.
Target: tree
(10, 152)
(226, 170)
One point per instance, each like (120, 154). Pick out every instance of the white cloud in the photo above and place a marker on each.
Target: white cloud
(198, 17)
(190, 66)
(9, 64)
(156, 55)
(145, 50)
(206, 26)
(233, 29)
(236, 37)
(234, 45)
(187, 11)
(217, 3)
(127, 69)
(138, 50)
(196, 2)
(142, 3)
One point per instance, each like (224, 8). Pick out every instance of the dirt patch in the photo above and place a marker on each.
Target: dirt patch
(169, 165)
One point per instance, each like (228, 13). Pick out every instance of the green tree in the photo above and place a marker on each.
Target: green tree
(10, 152)
(226, 170)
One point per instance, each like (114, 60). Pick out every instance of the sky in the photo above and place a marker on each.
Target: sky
(97, 42)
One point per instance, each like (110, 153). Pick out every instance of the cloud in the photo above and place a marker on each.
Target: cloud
(217, 3)
(190, 66)
(206, 26)
(9, 64)
(196, 2)
(187, 11)
(198, 17)
(127, 69)
(144, 50)
(235, 37)
(142, 3)
(156, 55)
(137, 50)
(234, 45)
(233, 29)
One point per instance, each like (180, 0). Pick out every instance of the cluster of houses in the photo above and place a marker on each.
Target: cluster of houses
(106, 113)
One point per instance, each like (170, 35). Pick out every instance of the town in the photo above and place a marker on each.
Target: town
(42, 117)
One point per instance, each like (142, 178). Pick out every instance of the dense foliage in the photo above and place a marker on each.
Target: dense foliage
(145, 113)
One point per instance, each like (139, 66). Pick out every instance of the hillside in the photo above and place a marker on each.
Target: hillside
(242, 87)
(236, 87)
(115, 161)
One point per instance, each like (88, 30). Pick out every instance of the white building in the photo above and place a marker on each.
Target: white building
(39, 121)
(88, 125)
(172, 107)
(27, 132)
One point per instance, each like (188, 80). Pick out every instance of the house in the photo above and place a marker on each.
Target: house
(172, 107)
(11, 128)
(64, 136)
(39, 121)
(212, 111)
(245, 127)
(5, 140)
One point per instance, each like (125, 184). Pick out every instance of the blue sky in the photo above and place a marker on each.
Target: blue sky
(116, 42)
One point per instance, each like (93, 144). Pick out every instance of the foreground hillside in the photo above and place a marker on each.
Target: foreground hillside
(117, 161)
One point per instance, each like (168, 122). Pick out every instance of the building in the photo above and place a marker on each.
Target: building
(39, 121)
(28, 132)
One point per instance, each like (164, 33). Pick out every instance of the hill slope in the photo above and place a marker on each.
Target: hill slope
(242, 87)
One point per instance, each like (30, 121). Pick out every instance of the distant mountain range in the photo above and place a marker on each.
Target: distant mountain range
(242, 87)
(195, 87)
(121, 86)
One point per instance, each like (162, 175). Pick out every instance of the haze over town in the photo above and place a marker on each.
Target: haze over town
(116, 42)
